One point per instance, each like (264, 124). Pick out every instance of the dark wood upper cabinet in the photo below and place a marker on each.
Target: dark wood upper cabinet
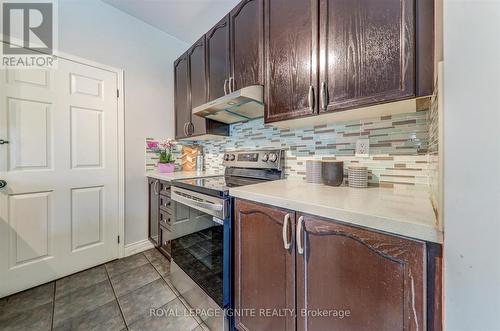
(379, 278)
(191, 85)
(217, 44)
(367, 52)
(264, 270)
(198, 84)
(182, 108)
(425, 58)
(291, 43)
(312, 56)
(247, 44)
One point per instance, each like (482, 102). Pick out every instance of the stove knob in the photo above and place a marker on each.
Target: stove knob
(232, 157)
(273, 157)
(265, 157)
(226, 157)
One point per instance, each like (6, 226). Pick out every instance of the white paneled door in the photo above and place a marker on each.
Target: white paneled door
(60, 209)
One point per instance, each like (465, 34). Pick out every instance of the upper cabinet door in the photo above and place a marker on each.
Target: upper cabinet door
(217, 44)
(247, 44)
(367, 52)
(291, 37)
(198, 83)
(378, 278)
(182, 109)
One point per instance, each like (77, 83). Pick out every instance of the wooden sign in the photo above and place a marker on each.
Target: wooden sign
(188, 157)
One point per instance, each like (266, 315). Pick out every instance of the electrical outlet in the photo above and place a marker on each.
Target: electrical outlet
(363, 147)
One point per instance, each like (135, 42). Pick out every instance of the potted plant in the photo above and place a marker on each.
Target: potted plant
(166, 164)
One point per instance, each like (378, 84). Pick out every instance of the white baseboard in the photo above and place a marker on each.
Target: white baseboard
(137, 247)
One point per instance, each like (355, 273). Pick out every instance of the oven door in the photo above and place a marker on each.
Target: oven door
(201, 240)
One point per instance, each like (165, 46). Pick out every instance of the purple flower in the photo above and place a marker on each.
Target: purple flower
(152, 144)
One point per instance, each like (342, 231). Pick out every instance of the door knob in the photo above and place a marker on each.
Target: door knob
(3, 183)
(3, 141)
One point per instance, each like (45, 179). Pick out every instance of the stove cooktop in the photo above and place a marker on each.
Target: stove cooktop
(215, 186)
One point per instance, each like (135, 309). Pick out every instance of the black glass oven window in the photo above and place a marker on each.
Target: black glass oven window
(200, 255)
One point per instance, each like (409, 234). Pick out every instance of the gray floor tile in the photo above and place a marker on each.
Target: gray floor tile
(80, 280)
(161, 264)
(176, 318)
(169, 283)
(201, 327)
(133, 279)
(120, 266)
(39, 319)
(82, 301)
(152, 253)
(136, 304)
(196, 317)
(32, 298)
(107, 317)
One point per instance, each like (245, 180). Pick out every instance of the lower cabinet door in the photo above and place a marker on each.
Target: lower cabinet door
(351, 279)
(264, 269)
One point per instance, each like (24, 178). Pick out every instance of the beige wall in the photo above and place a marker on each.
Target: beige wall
(94, 30)
(472, 164)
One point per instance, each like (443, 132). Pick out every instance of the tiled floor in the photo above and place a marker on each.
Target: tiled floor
(116, 296)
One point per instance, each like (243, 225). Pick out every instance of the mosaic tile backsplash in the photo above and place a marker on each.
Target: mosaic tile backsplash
(398, 146)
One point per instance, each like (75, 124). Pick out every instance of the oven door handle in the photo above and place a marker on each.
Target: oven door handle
(204, 206)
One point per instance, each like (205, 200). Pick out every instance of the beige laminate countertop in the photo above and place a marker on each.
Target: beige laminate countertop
(180, 175)
(407, 213)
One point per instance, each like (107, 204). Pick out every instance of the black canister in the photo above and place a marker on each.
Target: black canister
(332, 172)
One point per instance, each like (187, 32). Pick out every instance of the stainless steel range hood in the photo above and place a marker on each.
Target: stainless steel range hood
(244, 104)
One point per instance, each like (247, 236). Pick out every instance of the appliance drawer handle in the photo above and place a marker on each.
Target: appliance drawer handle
(300, 234)
(191, 202)
(286, 224)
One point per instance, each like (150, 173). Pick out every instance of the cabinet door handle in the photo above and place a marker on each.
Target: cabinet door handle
(310, 98)
(324, 95)
(225, 86)
(190, 128)
(231, 84)
(3, 141)
(155, 187)
(300, 234)
(185, 129)
(286, 224)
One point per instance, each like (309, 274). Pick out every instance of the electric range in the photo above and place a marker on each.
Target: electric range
(202, 225)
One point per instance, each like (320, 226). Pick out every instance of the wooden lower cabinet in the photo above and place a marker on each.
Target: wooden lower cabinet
(153, 209)
(335, 276)
(264, 270)
(375, 279)
(160, 211)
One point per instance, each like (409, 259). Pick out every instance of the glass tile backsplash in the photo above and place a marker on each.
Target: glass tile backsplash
(398, 146)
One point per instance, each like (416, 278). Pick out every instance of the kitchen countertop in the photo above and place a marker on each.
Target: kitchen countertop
(180, 175)
(406, 212)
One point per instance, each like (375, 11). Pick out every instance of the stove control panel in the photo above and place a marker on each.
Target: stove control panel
(258, 159)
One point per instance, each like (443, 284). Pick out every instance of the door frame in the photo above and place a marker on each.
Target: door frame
(121, 136)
